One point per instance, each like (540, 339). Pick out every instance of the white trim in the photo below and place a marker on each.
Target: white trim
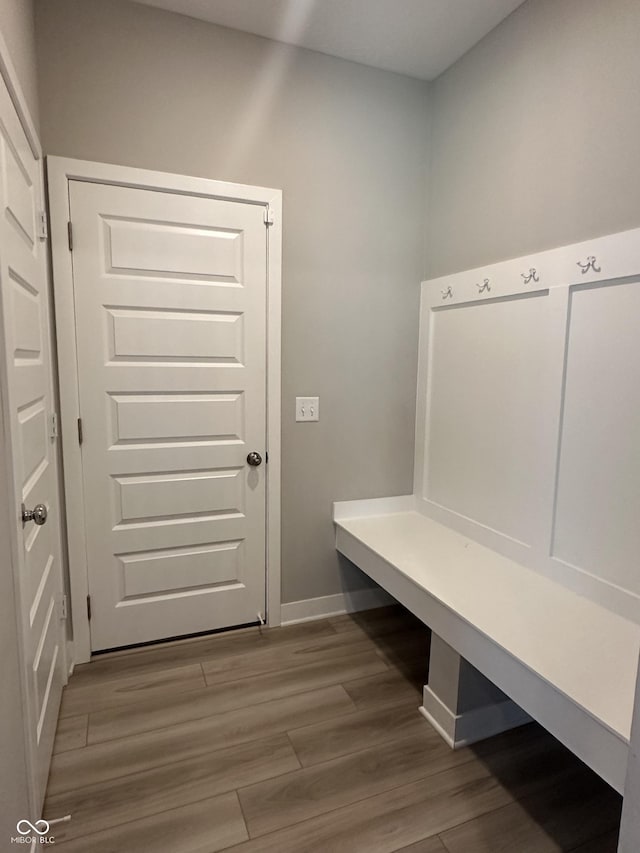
(128, 176)
(274, 396)
(12, 81)
(334, 605)
(60, 172)
(617, 256)
(70, 658)
(460, 730)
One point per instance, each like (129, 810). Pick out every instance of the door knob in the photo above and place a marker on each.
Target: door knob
(254, 459)
(38, 514)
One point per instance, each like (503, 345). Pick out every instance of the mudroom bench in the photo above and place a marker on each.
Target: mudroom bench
(567, 661)
(519, 546)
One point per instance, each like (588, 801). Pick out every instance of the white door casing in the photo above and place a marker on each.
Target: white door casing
(27, 386)
(175, 335)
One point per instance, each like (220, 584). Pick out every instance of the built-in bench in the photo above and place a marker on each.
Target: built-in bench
(567, 661)
(519, 547)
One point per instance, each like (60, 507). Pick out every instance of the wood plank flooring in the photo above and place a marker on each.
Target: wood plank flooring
(303, 739)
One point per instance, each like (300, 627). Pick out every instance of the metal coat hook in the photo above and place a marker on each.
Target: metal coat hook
(589, 265)
(482, 287)
(448, 293)
(532, 275)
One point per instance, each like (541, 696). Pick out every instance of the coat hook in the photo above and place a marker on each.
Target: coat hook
(482, 287)
(448, 293)
(589, 265)
(531, 276)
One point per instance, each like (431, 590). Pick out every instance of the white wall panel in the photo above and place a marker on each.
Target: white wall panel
(598, 506)
(488, 403)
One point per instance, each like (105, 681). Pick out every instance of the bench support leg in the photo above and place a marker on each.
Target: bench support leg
(461, 704)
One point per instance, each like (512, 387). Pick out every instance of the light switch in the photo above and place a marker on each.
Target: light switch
(307, 408)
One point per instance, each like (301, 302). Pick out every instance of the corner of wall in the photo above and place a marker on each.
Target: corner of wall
(17, 31)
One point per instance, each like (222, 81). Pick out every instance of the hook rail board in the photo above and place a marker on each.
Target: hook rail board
(521, 538)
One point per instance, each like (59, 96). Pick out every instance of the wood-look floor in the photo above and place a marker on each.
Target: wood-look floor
(300, 739)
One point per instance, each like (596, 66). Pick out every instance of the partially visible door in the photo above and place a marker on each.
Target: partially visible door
(170, 303)
(14, 777)
(27, 397)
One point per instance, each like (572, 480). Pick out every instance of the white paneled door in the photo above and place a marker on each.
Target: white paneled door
(34, 545)
(170, 301)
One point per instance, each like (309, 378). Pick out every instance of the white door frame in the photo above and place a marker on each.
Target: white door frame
(60, 172)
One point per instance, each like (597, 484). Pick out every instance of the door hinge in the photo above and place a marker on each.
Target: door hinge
(53, 431)
(268, 216)
(70, 235)
(89, 608)
(64, 610)
(43, 228)
(80, 433)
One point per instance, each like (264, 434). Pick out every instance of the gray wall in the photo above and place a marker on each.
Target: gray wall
(128, 84)
(531, 139)
(536, 134)
(17, 28)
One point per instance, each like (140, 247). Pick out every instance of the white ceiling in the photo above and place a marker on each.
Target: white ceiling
(420, 38)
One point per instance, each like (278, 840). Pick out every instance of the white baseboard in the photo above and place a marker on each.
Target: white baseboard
(334, 605)
(70, 658)
(460, 730)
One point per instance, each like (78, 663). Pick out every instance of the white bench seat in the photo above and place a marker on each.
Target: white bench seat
(567, 661)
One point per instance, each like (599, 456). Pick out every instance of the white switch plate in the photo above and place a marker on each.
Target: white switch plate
(307, 409)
